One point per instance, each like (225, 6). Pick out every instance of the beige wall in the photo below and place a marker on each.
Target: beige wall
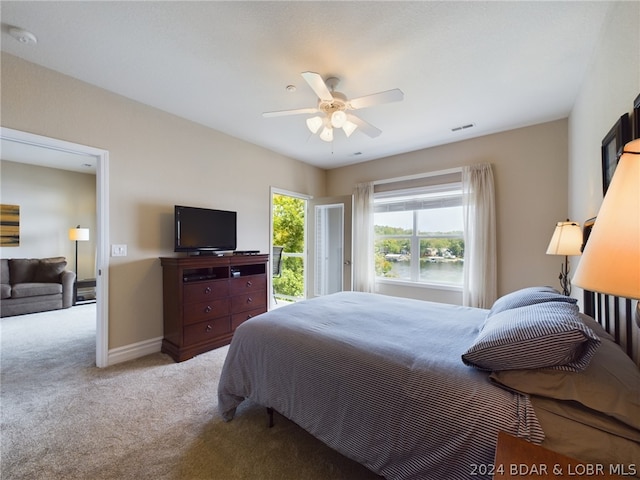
(530, 174)
(156, 160)
(51, 201)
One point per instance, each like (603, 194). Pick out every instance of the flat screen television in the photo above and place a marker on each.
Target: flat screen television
(204, 230)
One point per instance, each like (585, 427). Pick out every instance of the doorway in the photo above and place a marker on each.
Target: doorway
(288, 233)
(330, 245)
(316, 236)
(28, 140)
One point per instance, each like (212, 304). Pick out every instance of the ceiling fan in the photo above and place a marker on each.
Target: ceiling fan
(336, 108)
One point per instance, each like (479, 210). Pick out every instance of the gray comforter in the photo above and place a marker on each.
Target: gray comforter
(379, 379)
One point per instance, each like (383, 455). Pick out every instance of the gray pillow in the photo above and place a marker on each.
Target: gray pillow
(544, 335)
(49, 271)
(528, 296)
(22, 270)
(610, 384)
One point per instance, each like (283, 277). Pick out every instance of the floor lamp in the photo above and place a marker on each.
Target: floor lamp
(79, 235)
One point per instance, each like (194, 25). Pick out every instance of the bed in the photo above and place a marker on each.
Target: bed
(413, 389)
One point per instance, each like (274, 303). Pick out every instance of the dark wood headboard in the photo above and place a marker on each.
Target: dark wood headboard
(616, 315)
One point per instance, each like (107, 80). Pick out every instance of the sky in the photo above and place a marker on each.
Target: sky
(447, 219)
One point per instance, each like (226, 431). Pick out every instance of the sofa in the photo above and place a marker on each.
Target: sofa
(30, 285)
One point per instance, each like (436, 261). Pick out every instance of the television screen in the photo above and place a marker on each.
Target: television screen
(204, 229)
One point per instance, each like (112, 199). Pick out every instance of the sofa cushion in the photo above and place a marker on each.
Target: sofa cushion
(4, 271)
(49, 270)
(5, 291)
(23, 290)
(22, 270)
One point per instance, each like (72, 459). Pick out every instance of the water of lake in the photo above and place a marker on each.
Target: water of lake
(439, 272)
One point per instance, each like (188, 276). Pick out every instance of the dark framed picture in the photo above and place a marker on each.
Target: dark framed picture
(586, 231)
(636, 118)
(612, 145)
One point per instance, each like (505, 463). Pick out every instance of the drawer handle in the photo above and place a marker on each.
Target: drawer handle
(249, 283)
(209, 328)
(208, 309)
(207, 290)
(249, 300)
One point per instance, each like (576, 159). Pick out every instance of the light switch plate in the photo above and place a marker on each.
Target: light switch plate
(118, 250)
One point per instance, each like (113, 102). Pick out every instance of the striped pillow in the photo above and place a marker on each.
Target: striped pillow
(544, 335)
(528, 296)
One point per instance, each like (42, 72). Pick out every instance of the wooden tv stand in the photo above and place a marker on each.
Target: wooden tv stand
(205, 298)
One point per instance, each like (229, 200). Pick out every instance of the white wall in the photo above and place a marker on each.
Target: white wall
(51, 201)
(609, 89)
(610, 86)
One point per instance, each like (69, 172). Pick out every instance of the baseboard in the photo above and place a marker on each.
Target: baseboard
(133, 351)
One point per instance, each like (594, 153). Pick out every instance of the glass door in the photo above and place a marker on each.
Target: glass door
(288, 226)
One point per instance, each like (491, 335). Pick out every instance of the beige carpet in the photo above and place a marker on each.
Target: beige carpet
(63, 418)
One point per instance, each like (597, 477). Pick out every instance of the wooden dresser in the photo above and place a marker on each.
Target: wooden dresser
(205, 298)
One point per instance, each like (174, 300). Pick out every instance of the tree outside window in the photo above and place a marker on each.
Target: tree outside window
(288, 232)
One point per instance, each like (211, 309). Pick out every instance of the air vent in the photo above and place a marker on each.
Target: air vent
(463, 127)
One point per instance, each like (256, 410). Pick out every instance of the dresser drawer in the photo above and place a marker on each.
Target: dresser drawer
(205, 331)
(248, 301)
(239, 318)
(250, 283)
(201, 291)
(198, 312)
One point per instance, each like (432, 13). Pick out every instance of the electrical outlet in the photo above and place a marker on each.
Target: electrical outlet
(118, 250)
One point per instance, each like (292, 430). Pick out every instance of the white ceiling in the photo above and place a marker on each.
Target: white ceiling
(498, 65)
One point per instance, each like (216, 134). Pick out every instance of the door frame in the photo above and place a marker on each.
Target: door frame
(102, 223)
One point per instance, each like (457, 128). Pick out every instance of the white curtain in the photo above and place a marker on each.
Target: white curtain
(363, 267)
(480, 260)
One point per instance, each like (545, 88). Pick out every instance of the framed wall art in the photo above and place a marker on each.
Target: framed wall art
(9, 225)
(612, 145)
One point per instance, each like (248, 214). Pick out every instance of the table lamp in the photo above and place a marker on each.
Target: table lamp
(610, 261)
(566, 240)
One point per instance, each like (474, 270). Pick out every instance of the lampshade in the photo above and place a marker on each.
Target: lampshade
(338, 118)
(79, 234)
(314, 124)
(349, 128)
(566, 239)
(611, 259)
(327, 134)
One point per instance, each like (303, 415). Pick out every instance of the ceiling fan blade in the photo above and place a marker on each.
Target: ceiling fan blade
(364, 127)
(282, 113)
(394, 95)
(317, 84)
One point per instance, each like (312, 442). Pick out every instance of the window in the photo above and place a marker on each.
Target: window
(419, 235)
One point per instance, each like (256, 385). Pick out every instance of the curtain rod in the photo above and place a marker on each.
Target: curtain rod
(418, 176)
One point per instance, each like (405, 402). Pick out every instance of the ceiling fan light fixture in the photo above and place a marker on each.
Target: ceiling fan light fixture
(334, 108)
(314, 124)
(349, 128)
(327, 134)
(338, 118)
